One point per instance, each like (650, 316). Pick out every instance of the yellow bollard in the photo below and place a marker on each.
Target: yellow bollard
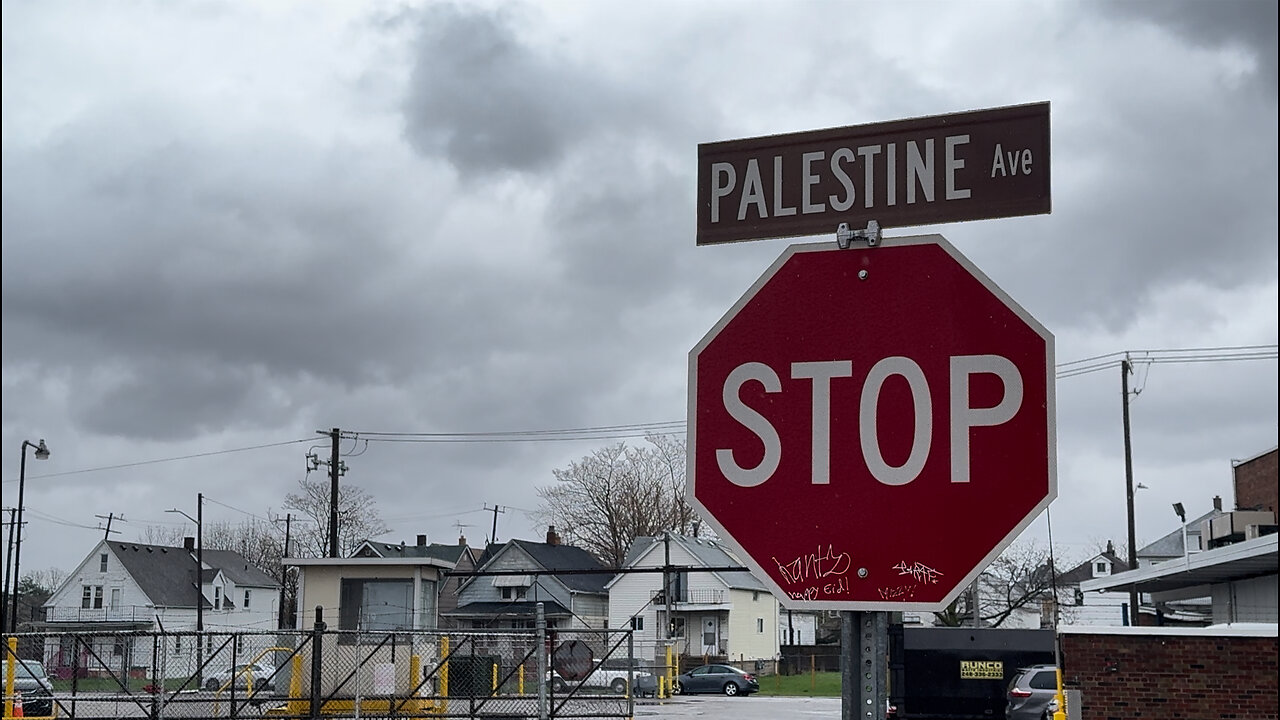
(8, 674)
(444, 673)
(495, 678)
(520, 680)
(1061, 712)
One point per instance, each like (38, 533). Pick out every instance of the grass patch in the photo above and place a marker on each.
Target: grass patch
(109, 684)
(819, 684)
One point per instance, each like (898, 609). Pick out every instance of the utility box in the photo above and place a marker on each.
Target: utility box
(472, 675)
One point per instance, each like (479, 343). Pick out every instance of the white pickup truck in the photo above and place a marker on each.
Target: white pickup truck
(607, 676)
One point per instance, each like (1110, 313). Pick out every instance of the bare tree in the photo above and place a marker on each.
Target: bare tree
(169, 536)
(1018, 580)
(358, 518)
(604, 501)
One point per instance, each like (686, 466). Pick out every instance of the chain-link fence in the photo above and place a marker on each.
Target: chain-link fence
(328, 673)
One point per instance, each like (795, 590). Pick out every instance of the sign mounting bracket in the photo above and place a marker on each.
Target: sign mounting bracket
(845, 236)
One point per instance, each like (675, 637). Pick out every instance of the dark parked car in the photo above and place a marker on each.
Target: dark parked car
(31, 680)
(717, 679)
(1030, 693)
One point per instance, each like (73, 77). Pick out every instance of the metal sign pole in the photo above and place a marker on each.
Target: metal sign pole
(864, 665)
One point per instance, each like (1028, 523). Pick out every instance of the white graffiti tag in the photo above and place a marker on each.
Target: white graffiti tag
(815, 566)
(919, 572)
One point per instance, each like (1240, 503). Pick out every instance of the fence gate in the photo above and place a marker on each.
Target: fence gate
(320, 673)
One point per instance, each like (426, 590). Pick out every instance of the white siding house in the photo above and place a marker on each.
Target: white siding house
(720, 613)
(122, 586)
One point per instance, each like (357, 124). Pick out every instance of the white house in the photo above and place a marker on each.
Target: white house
(722, 613)
(122, 586)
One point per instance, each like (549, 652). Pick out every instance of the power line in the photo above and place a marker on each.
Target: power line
(1070, 369)
(171, 459)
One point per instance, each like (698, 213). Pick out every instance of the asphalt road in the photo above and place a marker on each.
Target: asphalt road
(715, 707)
(707, 707)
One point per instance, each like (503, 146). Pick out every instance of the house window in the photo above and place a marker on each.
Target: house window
(506, 593)
(637, 622)
(177, 645)
(102, 562)
(1100, 568)
(208, 643)
(755, 596)
(118, 648)
(759, 625)
(217, 598)
(91, 597)
(246, 600)
(115, 599)
(375, 605)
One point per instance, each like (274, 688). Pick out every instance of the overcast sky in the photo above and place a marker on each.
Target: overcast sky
(230, 225)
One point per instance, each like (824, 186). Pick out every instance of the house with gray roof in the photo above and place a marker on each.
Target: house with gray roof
(714, 613)
(124, 586)
(567, 580)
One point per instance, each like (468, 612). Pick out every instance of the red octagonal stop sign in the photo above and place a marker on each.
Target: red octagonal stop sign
(870, 427)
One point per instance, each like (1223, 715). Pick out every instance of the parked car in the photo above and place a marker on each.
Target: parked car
(32, 681)
(263, 677)
(611, 675)
(1031, 691)
(716, 679)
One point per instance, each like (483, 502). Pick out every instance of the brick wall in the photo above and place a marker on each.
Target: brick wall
(1258, 483)
(1191, 676)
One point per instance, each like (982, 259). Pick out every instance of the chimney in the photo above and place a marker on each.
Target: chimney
(552, 537)
(462, 540)
(1111, 549)
(422, 541)
(1217, 503)
(189, 543)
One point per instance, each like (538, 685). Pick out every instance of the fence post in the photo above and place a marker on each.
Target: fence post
(317, 652)
(540, 625)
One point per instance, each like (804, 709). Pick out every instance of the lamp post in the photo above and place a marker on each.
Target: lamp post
(199, 521)
(1182, 520)
(42, 453)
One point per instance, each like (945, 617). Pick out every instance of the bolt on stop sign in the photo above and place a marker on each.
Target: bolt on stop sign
(870, 427)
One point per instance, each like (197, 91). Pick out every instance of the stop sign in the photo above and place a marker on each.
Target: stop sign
(870, 427)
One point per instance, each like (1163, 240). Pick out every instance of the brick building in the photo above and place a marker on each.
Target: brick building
(1167, 673)
(1257, 482)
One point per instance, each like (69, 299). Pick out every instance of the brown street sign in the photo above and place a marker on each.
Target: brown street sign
(922, 171)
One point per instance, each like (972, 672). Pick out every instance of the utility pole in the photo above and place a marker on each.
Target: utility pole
(337, 468)
(667, 583)
(496, 509)
(334, 465)
(108, 517)
(1125, 369)
(8, 565)
(288, 523)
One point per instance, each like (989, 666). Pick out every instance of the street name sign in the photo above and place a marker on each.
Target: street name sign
(870, 427)
(944, 168)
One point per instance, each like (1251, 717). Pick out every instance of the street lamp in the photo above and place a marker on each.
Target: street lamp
(199, 521)
(42, 453)
(1182, 520)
